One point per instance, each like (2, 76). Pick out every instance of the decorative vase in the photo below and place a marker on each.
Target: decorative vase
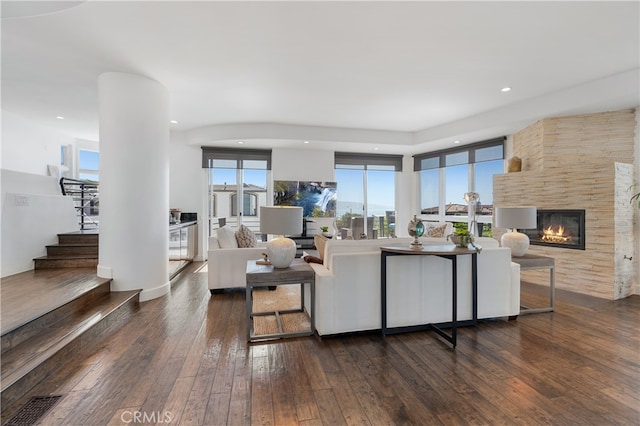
(464, 241)
(281, 252)
(460, 240)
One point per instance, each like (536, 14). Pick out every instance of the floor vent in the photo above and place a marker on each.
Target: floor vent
(33, 410)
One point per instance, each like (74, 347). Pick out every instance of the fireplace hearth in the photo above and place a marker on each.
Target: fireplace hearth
(559, 228)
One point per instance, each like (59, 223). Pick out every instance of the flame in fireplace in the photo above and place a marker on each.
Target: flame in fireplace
(551, 235)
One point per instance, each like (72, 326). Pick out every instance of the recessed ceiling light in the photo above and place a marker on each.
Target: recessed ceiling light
(174, 122)
(376, 148)
(240, 142)
(59, 117)
(306, 142)
(456, 141)
(505, 89)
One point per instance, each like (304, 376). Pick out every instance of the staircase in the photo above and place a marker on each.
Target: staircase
(74, 250)
(86, 197)
(51, 320)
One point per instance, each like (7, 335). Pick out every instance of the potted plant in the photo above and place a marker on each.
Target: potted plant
(463, 238)
(325, 231)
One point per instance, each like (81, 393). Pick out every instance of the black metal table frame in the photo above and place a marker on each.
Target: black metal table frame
(438, 328)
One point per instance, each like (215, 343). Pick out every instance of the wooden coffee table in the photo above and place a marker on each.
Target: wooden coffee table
(299, 272)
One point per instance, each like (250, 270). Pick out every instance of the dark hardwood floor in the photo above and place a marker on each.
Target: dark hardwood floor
(26, 296)
(184, 360)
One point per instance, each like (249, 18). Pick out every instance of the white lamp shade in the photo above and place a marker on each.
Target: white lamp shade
(281, 220)
(516, 217)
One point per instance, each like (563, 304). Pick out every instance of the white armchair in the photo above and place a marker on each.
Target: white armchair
(227, 266)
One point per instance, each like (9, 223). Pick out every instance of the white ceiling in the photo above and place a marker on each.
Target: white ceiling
(407, 76)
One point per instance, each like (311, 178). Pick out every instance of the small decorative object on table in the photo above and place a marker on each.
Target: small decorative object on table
(463, 238)
(264, 261)
(325, 231)
(472, 199)
(514, 164)
(416, 230)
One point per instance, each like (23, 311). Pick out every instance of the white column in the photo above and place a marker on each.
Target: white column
(134, 184)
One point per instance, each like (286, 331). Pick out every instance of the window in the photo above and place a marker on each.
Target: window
(366, 188)
(445, 176)
(88, 165)
(249, 205)
(234, 175)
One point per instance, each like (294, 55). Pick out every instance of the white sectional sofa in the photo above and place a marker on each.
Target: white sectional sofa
(348, 295)
(347, 284)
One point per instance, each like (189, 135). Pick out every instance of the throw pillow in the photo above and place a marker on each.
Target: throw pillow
(318, 241)
(435, 230)
(227, 237)
(245, 237)
(312, 259)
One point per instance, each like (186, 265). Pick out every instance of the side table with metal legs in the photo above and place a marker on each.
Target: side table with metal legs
(530, 262)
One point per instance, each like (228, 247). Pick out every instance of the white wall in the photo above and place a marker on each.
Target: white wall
(187, 185)
(28, 147)
(33, 213)
(637, 209)
(304, 164)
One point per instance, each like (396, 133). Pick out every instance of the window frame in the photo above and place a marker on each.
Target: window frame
(365, 163)
(438, 160)
(239, 160)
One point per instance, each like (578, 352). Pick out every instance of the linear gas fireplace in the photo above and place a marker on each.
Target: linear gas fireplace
(559, 228)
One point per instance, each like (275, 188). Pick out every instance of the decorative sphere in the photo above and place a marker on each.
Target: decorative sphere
(416, 227)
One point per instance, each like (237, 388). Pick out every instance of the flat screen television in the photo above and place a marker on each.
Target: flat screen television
(317, 199)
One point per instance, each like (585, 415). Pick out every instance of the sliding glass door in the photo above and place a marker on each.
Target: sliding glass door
(366, 194)
(237, 186)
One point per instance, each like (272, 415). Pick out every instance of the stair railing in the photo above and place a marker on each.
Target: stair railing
(86, 198)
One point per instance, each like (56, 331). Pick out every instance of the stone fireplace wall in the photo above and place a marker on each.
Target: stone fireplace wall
(580, 162)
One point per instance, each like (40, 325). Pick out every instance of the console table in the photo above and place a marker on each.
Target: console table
(449, 252)
(529, 262)
(299, 272)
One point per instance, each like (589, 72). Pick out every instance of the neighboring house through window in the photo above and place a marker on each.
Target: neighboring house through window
(233, 175)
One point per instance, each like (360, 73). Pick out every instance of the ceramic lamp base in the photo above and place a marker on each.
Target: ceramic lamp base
(281, 252)
(516, 241)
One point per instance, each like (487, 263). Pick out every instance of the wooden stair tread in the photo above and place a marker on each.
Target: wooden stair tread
(26, 356)
(82, 232)
(74, 250)
(66, 256)
(73, 245)
(22, 299)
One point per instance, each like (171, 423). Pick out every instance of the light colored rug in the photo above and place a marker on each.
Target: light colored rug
(282, 298)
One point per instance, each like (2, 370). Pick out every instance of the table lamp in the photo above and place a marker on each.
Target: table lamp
(516, 218)
(281, 221)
